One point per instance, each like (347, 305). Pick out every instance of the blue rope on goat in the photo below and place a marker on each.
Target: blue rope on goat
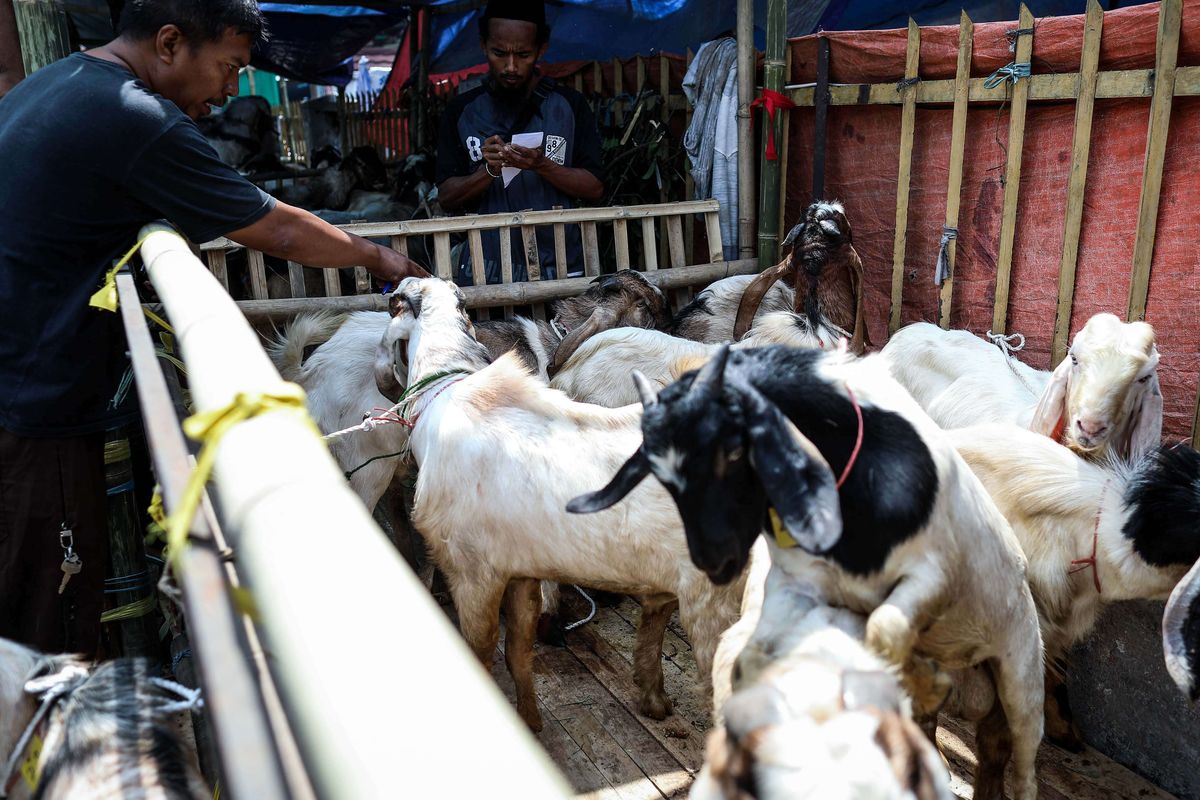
(1010, 72)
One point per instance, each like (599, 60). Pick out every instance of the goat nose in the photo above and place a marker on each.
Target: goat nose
(1091, 427)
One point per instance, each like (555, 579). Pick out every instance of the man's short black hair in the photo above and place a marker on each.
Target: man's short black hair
(198, 20)
(520, 10)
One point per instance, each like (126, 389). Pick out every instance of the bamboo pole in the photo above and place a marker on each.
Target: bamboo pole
(258, 274)
(618, 90)
(333, 282)
(745, 62)
(1012, 177)
(296, 279)
(769, 189)
(689, 183)
(958, 142)
(494, 295)
(1080, 150)
(1169, 14)
(278, 481)
(650, 245)
(42, 31)
(820, 119)
(908, 118)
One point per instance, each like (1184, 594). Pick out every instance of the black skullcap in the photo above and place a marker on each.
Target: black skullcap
(522, 10)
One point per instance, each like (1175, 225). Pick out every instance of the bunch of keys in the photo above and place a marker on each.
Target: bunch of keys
(72, 564)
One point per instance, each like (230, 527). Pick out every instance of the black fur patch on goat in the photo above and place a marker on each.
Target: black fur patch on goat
(694, 308)
(115, 711)
(889, 494)
(1164, 507)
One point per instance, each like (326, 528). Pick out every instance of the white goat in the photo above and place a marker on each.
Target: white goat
(110, 733)
(1103, 398)
(1092, 534)
(498, 456)
(598, 372)
(827, 718)
(711, 316)
(908, 536)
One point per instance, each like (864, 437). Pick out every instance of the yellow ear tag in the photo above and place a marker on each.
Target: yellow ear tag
(29, 767)
(782, 537)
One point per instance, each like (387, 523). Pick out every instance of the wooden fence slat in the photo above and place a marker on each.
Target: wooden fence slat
(362, 280)
(441, 256)
(649, 246)
(908, 119)
(712, 223)
(689, 184)
(597, 79)
(333, 282)
(621, 242)
(675, 241)
(1076, 184)
(216, 265)
(561, 268)
(478, 271)
(641, 73)
(591, 250)
(1169, 14)
(296, 279)
(506, 265)
(533, 259)
(258, 274)
(399, 244)
(958, 142)
(1012, 177)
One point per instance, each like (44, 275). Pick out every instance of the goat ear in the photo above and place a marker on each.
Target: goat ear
(627, 478)
(1145, 432)
(1050, 415)
(797, 480)
(793, 234)
(1181, 625)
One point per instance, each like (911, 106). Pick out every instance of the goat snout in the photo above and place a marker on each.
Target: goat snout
(1091, 429)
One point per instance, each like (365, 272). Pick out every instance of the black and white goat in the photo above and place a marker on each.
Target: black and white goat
(109, 731)
(1093, 534)
(1102, 400)
(907, 536)
(499, 454)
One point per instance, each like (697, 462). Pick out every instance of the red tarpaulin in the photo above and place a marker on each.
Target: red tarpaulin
(863, 160)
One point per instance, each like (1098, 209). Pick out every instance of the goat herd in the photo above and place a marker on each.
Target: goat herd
(939, 522)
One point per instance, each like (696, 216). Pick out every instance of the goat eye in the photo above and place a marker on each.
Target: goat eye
(1143, 379)
(1074, 359)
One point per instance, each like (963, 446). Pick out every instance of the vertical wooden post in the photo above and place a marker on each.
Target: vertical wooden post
(1012, 176)
(782, 147)
(1080, 149)
(820, 119)
(42, 30)
(1169, 14)
(12, 70)
(746, 187)
(908, 119)
(769, 188)
(689, 185)
(958, 142)
(664, 90)
(618, 103)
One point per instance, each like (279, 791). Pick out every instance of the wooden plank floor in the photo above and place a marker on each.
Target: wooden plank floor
(609, 752)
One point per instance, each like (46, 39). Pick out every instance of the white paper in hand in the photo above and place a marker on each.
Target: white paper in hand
(530, 140)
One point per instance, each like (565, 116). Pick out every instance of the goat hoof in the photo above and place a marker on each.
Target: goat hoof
(1068, 740)
(533, 719)
(656, 706)
(550, 631)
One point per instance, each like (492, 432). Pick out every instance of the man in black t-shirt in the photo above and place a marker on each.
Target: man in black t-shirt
(94, 146)
(475, 141)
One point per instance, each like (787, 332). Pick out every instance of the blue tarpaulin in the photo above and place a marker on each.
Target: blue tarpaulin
(317, 43)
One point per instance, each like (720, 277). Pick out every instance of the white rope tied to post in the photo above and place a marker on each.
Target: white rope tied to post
(1008, 345)
(942, 270)
(189, 699)
(591, 614)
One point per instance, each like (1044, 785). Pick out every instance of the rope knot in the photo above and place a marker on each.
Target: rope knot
(942, 269)
(1009, 73)
(1009, 344)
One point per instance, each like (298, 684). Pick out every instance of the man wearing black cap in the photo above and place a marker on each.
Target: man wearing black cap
(475, 140)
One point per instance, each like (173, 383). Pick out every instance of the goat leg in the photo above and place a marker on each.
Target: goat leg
(647, 656)
(892, 627)
(1060, 722)
(522, 604)
(993, 747)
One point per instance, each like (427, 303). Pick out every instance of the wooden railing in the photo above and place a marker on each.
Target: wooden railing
(636, 249)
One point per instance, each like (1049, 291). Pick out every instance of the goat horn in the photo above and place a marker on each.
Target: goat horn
(600, 320)
(712, 375)
(645, 390)
(753, 296)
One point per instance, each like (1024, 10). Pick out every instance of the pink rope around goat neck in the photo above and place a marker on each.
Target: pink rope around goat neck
(857, 442)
